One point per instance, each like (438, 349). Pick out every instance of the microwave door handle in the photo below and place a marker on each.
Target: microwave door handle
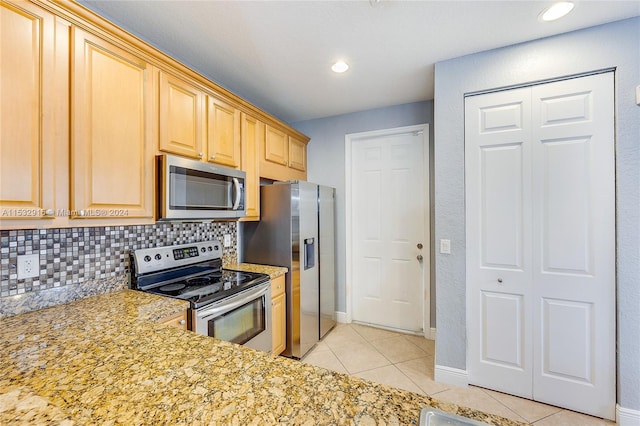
(236, 185)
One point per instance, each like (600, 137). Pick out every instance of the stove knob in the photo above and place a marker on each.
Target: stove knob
(216, 247)
(209, 248)
(147, 258)
(203, 249)
(158, 256)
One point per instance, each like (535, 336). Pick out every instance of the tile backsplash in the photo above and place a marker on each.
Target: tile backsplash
(78, 255)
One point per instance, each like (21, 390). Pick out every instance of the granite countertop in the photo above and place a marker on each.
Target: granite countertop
(272, 271)
(106, 360)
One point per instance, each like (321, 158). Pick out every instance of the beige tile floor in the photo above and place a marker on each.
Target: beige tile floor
(407, 362)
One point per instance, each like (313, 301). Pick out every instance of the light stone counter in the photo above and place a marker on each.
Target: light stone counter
(272, 271)
(104, 360)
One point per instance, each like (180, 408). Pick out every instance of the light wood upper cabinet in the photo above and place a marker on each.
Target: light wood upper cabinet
(85, 108)
(297, 154)
(181, 117)
(28, 129)
(283, 156)
(276, 146)
(111, 144)
(252, 136)
(223, 133)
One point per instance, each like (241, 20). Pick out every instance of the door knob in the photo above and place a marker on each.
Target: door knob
(419, 257)
(420, 246)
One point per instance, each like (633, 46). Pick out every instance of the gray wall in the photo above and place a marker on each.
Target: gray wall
(326, 160)
(612, 45)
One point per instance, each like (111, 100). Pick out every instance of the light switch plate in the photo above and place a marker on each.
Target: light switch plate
(227, 240)
(445, 246)
(28, 266)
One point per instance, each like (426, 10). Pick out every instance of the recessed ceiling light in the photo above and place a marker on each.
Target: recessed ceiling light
(556, 11)
(339, 67)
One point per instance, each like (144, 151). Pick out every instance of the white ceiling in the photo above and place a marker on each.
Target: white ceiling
(277, 54)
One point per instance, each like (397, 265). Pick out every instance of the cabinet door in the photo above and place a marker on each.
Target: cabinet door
(27, 132)
(111, 157)
(181, 117)
(223, 133)
(276, 146)
(252, 138)
(297, 155)
(278, 316)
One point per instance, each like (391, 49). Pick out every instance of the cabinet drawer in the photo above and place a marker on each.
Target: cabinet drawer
(277, 286)
(178, 320)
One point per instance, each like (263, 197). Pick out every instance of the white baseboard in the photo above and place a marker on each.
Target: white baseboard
(343, 318)
(452, 376)
(430, 334)
(627, 416)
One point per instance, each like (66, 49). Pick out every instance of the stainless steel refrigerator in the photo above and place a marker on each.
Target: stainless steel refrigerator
(297, 230)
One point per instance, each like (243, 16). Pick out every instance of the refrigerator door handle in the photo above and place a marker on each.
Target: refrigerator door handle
(309, 253)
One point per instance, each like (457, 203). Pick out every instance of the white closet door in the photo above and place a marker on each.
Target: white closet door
(574, 244)
(540, 207)
(498, 209)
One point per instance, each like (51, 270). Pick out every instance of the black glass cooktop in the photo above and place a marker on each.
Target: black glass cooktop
(207, 288)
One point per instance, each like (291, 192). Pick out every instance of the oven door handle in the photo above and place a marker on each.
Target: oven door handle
(235, 301)
(236, 185)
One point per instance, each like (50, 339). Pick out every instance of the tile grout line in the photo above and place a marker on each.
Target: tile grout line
(340, 361)
(542, 418)
(390, 361)
(504, 405)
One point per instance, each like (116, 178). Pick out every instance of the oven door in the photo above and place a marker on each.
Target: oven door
(244, 318)
(190, 189)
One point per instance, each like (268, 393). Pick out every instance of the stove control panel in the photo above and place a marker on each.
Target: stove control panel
(187, 252)
(160, 258)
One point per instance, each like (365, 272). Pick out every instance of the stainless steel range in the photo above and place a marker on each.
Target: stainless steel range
(229, 305)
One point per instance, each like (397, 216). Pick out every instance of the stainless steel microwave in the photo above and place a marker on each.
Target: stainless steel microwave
(190, 189)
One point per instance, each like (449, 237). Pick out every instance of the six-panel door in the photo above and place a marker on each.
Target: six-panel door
(540, 207)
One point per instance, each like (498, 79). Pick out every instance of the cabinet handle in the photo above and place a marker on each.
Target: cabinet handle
(182, 322)
(48, 212)
(500, 280)
(81, 213)
(200, 155)
(213, 157)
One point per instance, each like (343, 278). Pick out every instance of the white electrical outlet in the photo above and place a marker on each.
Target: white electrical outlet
(227, 240)
(28, 266)
(445, 246)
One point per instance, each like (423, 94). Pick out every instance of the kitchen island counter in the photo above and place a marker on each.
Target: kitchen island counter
(106, 360)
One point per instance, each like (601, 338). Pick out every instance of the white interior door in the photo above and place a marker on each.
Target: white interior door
(389, 230)
(553, 321)
(574, 244)
(498, 200)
